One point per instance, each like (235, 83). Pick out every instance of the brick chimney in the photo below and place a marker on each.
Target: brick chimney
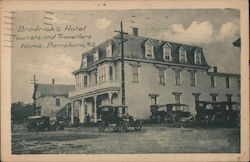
(135, 31)
(53, 81)
(215, 69)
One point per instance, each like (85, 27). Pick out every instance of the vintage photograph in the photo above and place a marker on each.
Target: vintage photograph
(130, 81)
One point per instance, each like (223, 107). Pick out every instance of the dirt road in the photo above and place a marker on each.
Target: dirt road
(148, 140)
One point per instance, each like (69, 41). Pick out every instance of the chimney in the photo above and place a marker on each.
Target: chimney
(53, 81)
(135, 31)
(215, 69)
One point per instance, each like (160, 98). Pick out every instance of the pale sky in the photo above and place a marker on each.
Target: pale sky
(214, 30)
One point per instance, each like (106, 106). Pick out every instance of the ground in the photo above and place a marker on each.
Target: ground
(151, 139)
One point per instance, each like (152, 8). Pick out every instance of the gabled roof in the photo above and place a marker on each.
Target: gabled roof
(134, 47)
(54, 89)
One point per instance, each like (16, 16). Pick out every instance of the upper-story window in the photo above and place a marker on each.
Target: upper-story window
(162, 76)
(227, 82)
(182, 54)
(109, 50)
(177, 77)
(96, 55)
(213, 81)
(167, 52)
(101, 72)
(149, 49)
(197, 57)
(193, 78)
(135, 73)
(85, 81)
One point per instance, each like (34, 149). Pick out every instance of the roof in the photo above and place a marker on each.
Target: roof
(134, 47)
(54, 89)
(237, 43)
(224, 74)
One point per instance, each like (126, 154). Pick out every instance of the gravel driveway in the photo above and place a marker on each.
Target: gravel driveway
(151, 139)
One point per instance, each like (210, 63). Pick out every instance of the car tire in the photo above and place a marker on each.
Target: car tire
(101, 126)
(137, 125)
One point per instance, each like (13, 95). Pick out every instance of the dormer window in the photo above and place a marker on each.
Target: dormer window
(167, 52)
(96, 55)
(182, 54)
(149, 49)
(84, 62)
(197, 57)
(109, 50)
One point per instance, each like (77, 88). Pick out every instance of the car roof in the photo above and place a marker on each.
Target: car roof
(113, 106)
(34, 117)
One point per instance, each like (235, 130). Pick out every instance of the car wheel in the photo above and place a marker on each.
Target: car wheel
(123, 127)
(101, 126)
(137, 125)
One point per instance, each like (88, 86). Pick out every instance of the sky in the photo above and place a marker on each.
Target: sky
(212, 29)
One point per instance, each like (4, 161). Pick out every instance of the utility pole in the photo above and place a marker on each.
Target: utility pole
(122, 64)
(34, 82)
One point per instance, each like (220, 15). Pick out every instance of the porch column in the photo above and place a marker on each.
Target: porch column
(82, 109)
(80, 112)
(72, 113)
(95, 115)
(110, 97)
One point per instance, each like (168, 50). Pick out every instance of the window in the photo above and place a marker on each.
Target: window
(95, 74)
(135, 73)
(149, 49)
(197, 57)
(196, 96)
(214, 97)
(182, 55)
(167, 52)
(193, 78)
(78, 82)
(96, 56)
(109, 50)
(153, 99)
(213, 81)
(101, 74)
(177, 97)
(229, 97)
(57, 101)
(110, 73)
(227, 82)
(177, 77)
(84, 62)
(162, 76)
(85, 81)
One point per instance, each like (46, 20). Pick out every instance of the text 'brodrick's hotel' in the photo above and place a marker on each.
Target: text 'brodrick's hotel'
(156, 72)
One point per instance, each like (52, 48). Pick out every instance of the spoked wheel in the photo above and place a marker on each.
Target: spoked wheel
(101, 126)
(137, 125)
(122, 127)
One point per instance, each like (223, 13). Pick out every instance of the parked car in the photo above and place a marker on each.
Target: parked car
(217, 113)
(44, 123)
(117, 116)
(170, 113)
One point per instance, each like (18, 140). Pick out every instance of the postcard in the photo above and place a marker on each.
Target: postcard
(125, 80)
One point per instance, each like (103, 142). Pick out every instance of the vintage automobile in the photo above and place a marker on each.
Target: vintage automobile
(44, 123)
(117, 116)
(217, 113)
(170, 113)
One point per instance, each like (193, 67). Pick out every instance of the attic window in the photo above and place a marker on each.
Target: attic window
(167, 52)
(109, 50)
(84, 62)
(197, 57)
(149, 49)
(182, 54)
(96, 55)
